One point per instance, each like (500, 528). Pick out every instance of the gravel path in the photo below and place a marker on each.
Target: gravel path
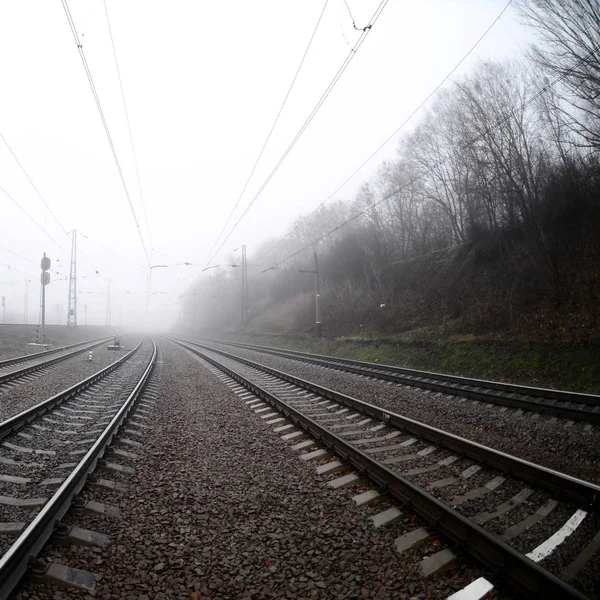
(64, 374)
(574, 450)
(221, 507)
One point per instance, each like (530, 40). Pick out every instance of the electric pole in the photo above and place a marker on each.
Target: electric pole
(45, 280)
(318, 326)
(72, 309)
(85, 313)
(108, 305)
(26, 306)
(317, 297)
(3, 310)
(244, 289)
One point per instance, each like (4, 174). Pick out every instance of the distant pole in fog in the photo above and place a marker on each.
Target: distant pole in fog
(244, 289)
(26, 305)
(85, 314)
(108, 305)
(72, 304)
(318, 326)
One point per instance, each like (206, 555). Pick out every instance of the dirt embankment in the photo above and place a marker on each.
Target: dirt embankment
(572, 366)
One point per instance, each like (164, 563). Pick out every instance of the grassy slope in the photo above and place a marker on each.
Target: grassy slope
(572, 366)
(489, 309)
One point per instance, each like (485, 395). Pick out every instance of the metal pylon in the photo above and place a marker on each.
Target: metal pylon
(72, 311)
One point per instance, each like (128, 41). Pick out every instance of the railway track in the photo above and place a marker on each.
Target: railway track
(48, 451)
(573, 406)
(533, 527)
(34, 365)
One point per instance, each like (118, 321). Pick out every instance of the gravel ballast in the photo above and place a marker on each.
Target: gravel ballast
(36, 459)
(221, 507)
(571, 449)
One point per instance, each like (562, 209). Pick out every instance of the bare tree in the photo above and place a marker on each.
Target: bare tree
(502, 137)
(569, 50)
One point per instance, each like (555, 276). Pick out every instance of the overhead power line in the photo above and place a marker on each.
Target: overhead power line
(31, 182)
(477, 138)
(19, 255)
(315, 110)
(135, 161)
(17, 270)
(272, 128)
(104, 123)
(45, 204)
(168, 256)
(354, 22)
(32, 219)
(42, 199)
(392, 135)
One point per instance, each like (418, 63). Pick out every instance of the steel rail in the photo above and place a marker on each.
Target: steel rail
(14, 563)
(576, 490)
(18, 373)
(520, 571)
(17, 359)
(494, 392)
(17, 421)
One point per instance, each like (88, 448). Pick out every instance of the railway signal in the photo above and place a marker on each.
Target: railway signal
(45, 280)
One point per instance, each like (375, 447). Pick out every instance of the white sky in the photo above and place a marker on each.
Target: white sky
(203, 82)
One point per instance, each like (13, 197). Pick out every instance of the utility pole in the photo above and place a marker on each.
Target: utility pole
(72, 306)
(58, 314)
(318, 326)
(108, 305)
(244, 289)
(45, 280)
(317, 296)
(3, 310)
(85, 313)
(26, 306)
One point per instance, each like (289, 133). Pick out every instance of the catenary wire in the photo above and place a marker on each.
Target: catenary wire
(343, 67)
(41, 198)
(168, 256)
(349, 12)
(19, 255)
(287, 95)
(390, 137)
(32, 219)
(398, 189)
(15, 269)
(104, 123)
(37, 191)
(135, 161)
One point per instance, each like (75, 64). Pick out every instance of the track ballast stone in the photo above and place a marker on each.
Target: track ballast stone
(221, 507)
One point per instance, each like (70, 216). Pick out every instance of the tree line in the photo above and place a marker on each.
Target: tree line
(504, 161)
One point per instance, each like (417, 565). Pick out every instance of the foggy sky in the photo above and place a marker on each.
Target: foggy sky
(203, 83)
